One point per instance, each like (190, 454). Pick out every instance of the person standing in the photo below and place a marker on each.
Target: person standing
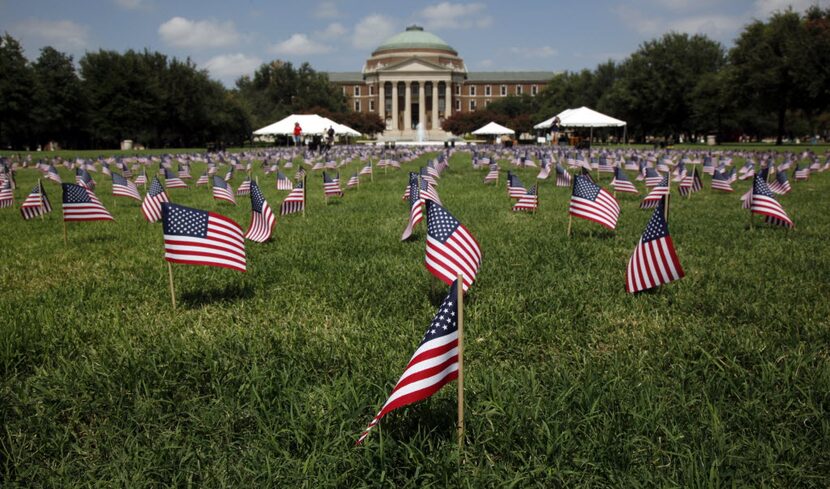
(554, 131)
(298, 134)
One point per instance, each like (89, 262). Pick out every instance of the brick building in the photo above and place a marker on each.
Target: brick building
(429, 82)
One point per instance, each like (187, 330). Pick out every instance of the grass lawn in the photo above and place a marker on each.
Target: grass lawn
(265, 379)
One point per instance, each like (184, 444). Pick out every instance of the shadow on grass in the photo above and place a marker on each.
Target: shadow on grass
(593, 234)
(435, 417)
(230, 293)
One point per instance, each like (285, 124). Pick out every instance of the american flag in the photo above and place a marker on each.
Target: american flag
(105, 168)
(331, 164)
(262, 219)
(434, 363)
(530, 201)
(493, 174)
(592, 202)
(621, 183)
(416, 204)
(605, 166)
(222, 190)
(781, 185)
(295, 201)
(300, 174)
(515, 189)
(544, 173)
(203, 179)
(654, 261)
(690, 184)
(451, 249)
(367, 169)
(318, 166)
(429, 193)
(763, 202)
(663, 165)
(6, 194)
(141, 179)
(124, 188)
(652, 177)
(632, 165)
(563, 178)
(184, 171)
(229, 174)
(354, 181)
(198, 237)
(36, 204)
(801, 173)
(656, 195)
(172, 181)
(708, 166)
(432, 171)
(52, 174)
(426, 176)
(747, 171)
(80, 204)
(720, 181)
(330, 187)
(244, 187)
(283, 182)
(84, 179)
(151, 207)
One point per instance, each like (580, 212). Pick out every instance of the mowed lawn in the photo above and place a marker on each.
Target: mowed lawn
(265, 379)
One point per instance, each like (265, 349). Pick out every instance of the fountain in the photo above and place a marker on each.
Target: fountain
(421, 132)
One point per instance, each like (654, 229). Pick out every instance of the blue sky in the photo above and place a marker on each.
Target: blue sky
(230, 39)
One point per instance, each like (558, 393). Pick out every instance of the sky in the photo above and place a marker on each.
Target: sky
(231, 39)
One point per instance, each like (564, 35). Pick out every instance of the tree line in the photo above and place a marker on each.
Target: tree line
(775, 81)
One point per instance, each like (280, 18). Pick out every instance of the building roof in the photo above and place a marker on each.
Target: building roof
(510, 76)
(414, 38)
(345, 76)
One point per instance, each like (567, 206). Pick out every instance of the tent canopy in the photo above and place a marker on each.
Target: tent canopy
(581, 117)
(311, 124)
(493, 129)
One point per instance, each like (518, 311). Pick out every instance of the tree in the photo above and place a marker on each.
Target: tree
(59, 106)
(16, 95)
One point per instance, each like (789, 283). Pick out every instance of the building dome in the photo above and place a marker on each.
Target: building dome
(414, 38)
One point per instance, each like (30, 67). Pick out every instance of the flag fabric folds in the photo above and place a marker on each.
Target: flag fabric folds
(354, 181)
(283, 182)
(172, 180)
(222, 190)
(123, 187)
(36, 204)
(515, 189)
(416, 204)
(80, 204)
(244, 187)
(197, 237)
(151, 207)
(654, 261)
(330, 187)
(781, 185)
(563, 178)
(721, 181)
(451, 249)
(591, 202)
(653, 198)
(433, 365)
(529, 202)
(763, 202)
(294, 201)
(262, 218)
(6, 194)
(690, 184)
(621, 183)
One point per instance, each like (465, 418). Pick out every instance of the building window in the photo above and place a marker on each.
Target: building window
(486, 103)
(344, 90)
(534, 90)
(518, 89)
(472, 90)
(458, 89)
(357, 105)
(472, 105)
(504, 90)
(371, 106)
(357, 91)
(371, 89)
(457, 105)
(487, 91)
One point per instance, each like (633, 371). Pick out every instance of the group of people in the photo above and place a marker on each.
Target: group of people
(316, 143)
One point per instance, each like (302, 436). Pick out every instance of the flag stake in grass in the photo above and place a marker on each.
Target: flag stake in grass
(172, 290)
(460, 292)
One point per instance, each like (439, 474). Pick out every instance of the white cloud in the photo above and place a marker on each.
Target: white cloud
(332, 31)
(373, 30)
(535, 52)
(60, 34)
(448, 15)
(326, 10)
(186, 33)
(299, 45)
(232, 65)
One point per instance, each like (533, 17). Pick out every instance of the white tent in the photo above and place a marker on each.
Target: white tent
(493, 129)
(583, 117)
(310, 123)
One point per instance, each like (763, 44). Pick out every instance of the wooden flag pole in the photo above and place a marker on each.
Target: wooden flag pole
(460, 292)
(666, 207)
(372, 172)
(42, 205)
(304, 194)
(172, 289)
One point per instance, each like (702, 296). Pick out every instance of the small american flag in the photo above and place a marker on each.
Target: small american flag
(283, 182)
(262, 219)
(318, 166)
(52, 174)
(652, 177)
(529, 202)
(416, 204)
(493, 174)
(6, 194)
(244, 187)
(354, 181)
(656, 195)
(222, 190)
(563, 178)
(690, 184)
(295, 201)
(172, 181)
(300, 174)
(801, 173)
(654, 261)
(367, 169)
(141, 179)
(426, 176)
(151, 207)
(229, 174)
(621, 183)
(184, 171)
(763, 202)
(80, 204)
(451, 249)
(708, 166)
(203, 179)
(122, 187)
(591, 202)
(433, 365)
(429, 193)
(544, 173)
(515, 189)
(781, 185)
(36, 204)
(330, 187)
(198, 237)
(105, 168)
(84, 179)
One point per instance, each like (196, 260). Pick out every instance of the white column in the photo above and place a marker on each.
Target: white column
(448, 107)
(395, 105)
(422, 104)
(382, 96)
(407, 109)
(435, 126)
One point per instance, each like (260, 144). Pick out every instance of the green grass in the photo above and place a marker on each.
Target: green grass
(265, 379)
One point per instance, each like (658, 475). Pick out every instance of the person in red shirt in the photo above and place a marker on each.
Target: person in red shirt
(298, 132)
